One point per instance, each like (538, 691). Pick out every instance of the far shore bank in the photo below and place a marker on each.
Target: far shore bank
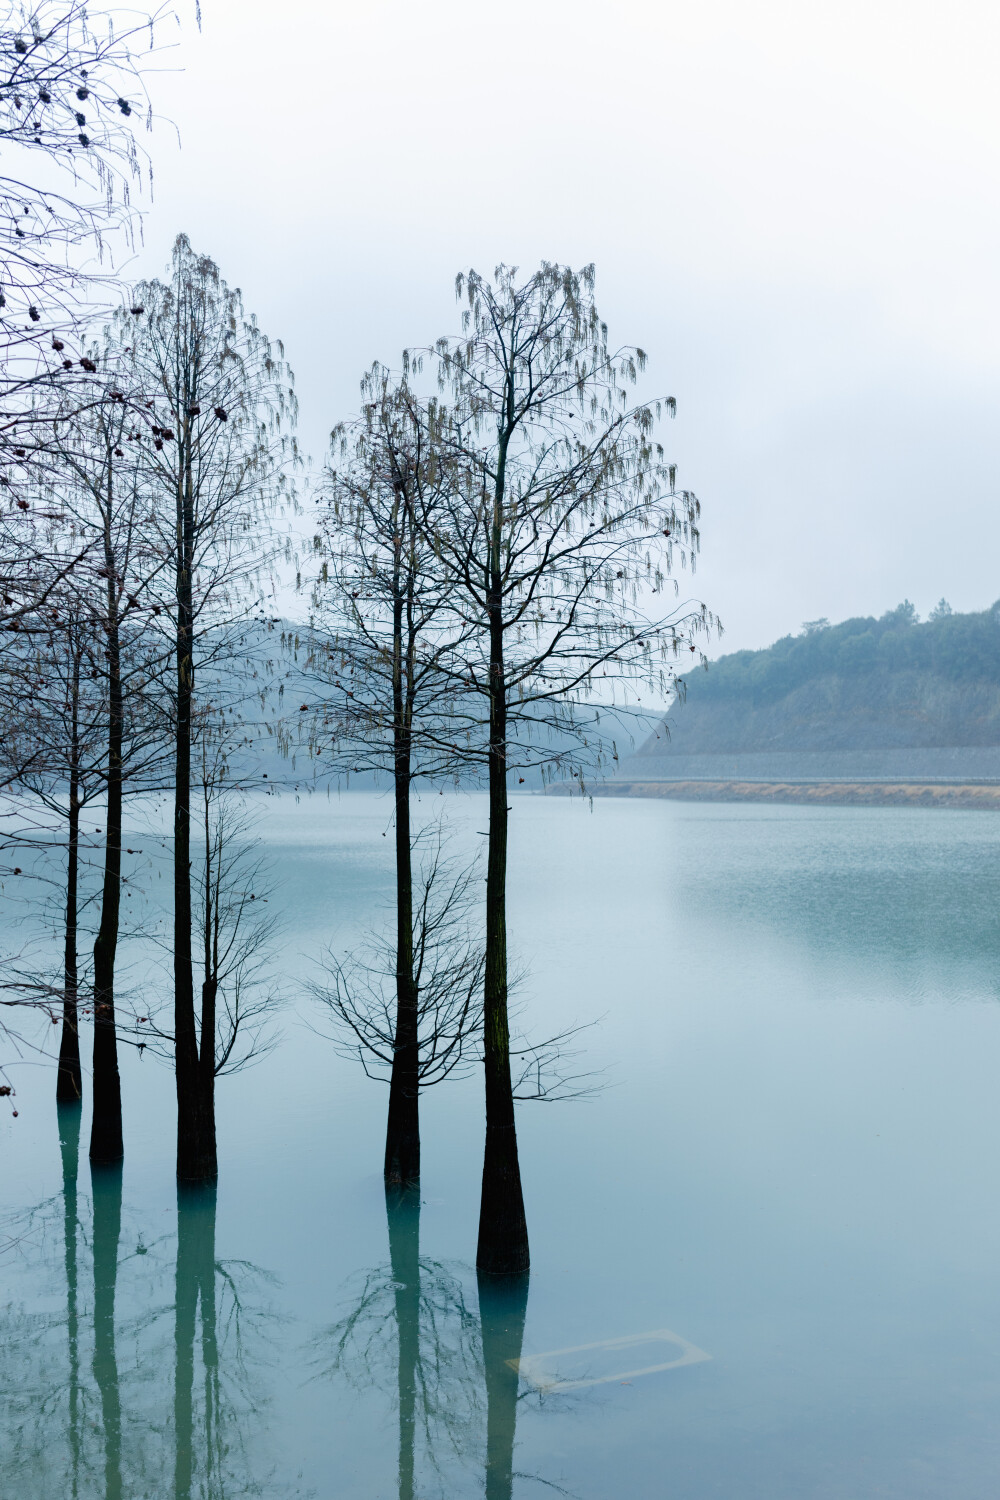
(832, 793)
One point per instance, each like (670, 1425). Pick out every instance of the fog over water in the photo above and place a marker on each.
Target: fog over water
(790, 208)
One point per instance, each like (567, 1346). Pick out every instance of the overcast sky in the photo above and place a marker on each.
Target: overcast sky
(792, 207)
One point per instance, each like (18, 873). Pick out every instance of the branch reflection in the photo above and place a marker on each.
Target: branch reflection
(223, 1340)
(412, 1332)
(87, 1392)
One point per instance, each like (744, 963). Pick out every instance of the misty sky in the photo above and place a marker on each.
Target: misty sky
(792, 207)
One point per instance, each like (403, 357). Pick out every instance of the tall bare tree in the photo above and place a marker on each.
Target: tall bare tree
(52, 695)
(219, 468)
(72, 94)
(383, 648)
(442, 1028)
(95, 626)
(102, 491)
(234, 931)
(563, 526)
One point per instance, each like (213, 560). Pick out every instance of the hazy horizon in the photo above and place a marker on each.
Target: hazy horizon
(784, 205)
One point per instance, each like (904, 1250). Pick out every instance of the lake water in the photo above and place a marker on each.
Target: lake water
(764, 1256)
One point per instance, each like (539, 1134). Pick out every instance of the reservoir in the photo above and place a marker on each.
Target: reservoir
(764, 1245)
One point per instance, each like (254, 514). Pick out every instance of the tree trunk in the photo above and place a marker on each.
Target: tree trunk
(503, 1231)
(69, 1078)
(402, 1138)
(106, 1129)
(107, 1189)
(196, 1155)
(503, 1303)
(206, 1069)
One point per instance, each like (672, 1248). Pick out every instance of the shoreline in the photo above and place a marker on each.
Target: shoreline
(831, 793)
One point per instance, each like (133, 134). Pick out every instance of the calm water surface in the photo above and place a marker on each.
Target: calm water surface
(787, 1194)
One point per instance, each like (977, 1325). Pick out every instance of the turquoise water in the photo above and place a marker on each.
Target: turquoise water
(763, 1256)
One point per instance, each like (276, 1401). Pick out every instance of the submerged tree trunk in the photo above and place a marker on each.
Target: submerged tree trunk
(206, 1071)
(69, 1078)
(402, 1138)
(402, 1207)
(196, 1154)
(106, 1143)
(503, 1231)
(503, 1303)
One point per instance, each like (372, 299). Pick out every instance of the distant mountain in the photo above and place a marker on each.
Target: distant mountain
(265, 670)
(871, 687)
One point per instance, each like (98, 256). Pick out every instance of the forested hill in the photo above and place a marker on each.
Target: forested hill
(864, 684)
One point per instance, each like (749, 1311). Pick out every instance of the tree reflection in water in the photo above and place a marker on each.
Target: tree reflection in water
(200, 1355)
(195, 1278)
(503, 1302)
(69, 1149)
(145, 1375)
(412, 1333)
(223, 1339)
(106, 1187)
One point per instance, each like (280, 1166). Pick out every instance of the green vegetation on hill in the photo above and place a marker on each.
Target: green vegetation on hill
(963, 648)
(863, 683)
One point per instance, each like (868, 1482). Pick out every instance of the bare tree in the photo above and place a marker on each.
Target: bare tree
(234, 929)
(71, 94)
(52, 693)
(563, 526)
(383, 648)
(360, 993)
(95, 627)
(104, 498)
(447, 972)
(237, 935)
(218, 469)
(44, 726)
